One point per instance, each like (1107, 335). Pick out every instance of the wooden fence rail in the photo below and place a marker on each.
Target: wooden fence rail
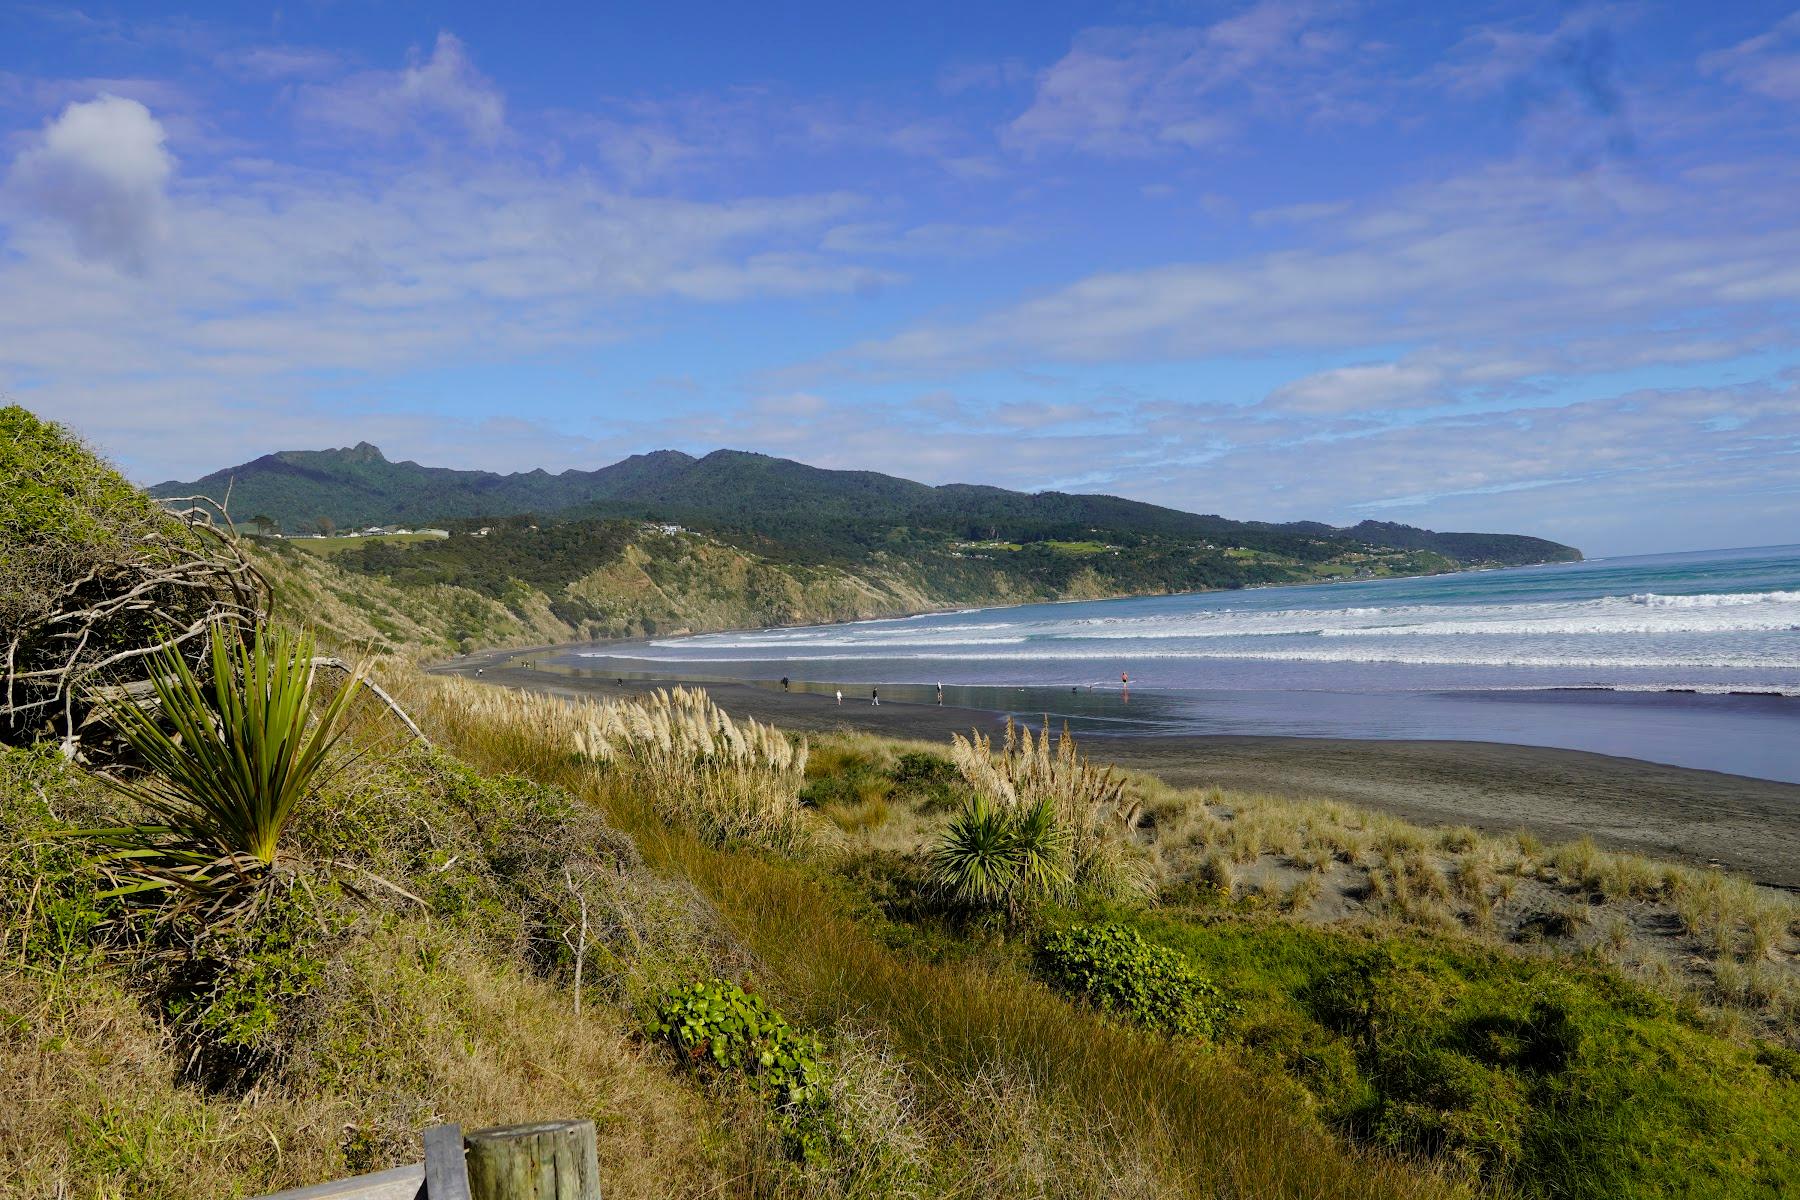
(551, 1160)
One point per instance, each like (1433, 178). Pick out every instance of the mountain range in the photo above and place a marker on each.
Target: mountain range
(783, 505)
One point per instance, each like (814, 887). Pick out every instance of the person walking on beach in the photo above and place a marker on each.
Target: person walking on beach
(784, 683)
(875, 697)
(940, 695)
(840, 696)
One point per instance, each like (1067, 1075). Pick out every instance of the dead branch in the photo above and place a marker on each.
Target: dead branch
(375, 689)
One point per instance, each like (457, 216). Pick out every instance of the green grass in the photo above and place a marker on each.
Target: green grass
(1077, 547)
(1552, 1079)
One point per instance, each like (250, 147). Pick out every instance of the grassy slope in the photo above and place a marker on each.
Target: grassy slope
(950, 1079)
(1575, 1067)
(956, 1071)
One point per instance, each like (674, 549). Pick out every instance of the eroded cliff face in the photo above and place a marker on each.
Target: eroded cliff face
(656, 586)
(662, 586)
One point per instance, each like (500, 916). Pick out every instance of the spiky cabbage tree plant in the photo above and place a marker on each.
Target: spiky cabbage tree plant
(1002, 857)
(230, 758)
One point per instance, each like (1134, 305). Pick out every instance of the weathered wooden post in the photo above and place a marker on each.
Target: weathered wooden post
(551, 1160)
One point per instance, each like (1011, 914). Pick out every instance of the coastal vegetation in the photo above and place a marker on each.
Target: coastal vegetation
(842, 966)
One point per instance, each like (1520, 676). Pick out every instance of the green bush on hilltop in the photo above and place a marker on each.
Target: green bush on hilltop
(93, 573)
(1113, 967)
(62, 508)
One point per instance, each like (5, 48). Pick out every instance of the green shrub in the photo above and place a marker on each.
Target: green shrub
(719, 1025)
(1116, 969)
(930, 779)
(1545, 1078)
(236, 994)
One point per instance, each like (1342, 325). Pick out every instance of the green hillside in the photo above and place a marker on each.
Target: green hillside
(788, 510)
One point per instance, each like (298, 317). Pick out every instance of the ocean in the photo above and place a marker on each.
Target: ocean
(1691, 659)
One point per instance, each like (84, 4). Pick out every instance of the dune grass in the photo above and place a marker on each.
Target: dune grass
(1188, 1123)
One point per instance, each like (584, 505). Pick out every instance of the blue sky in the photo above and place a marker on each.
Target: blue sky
(1471, 266)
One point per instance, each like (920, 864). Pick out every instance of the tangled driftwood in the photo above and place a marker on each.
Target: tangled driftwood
(81, 628)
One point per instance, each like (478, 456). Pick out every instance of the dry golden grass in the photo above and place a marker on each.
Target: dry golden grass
(412, 1030)
(729, 780)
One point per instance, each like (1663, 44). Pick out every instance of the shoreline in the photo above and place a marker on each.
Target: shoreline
(1682, 814)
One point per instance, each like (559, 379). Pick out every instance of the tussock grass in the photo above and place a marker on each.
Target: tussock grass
(1087, 804)
(728, 780)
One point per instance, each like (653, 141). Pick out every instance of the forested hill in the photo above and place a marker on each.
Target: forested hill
(793, 511)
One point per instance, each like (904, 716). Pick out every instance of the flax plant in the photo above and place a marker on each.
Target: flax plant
(230, 759)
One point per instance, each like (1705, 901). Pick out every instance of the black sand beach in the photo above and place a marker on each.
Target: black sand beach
(1703, 817)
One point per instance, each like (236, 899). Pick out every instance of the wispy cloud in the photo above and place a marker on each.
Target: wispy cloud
(437, 90)
(1768, 63)
(1133, 91)
(1501, 257)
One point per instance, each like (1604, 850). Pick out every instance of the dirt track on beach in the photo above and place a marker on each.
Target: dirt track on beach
(1703, 817)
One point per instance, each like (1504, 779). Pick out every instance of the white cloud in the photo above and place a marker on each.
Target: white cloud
(100, 169)
(1139, 91)
(1768, 63)
(1507, 259)
(443, 88)
(1364, 387)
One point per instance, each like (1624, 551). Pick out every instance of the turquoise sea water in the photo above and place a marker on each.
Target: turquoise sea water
(1685, 658)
